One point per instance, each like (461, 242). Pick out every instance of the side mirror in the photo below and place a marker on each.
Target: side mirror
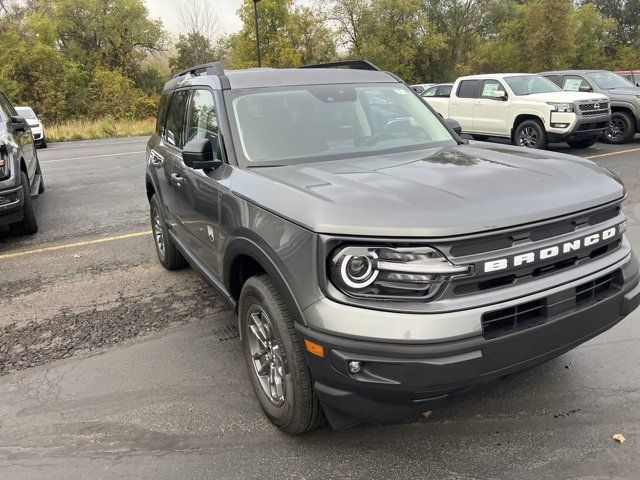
(198, 154)
(500, 95)
(585, 88)
(455, 126)
(19, 124)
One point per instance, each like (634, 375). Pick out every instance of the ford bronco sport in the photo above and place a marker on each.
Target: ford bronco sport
(377, 262)
(20, 175)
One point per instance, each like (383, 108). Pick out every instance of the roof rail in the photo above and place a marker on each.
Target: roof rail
(213, 68)
(351, 64)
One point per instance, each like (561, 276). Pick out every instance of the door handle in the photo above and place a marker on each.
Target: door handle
(177, 179)
(156, 159)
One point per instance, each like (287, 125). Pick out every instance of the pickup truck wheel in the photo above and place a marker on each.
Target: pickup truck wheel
(621, 129)
(28, 225)
(531, 134)
(275, 359)
(168, 253)
(584, 143)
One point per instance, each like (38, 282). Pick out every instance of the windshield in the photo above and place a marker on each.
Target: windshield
(530, 84)
(609, 80)
(330, 122)
(26, 113)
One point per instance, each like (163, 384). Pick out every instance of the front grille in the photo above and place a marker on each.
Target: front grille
(530, 314)
(590, 108)
(498, 242)
(592, 126)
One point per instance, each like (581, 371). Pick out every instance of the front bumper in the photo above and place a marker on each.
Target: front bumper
(400, 380)
(11, 202)
(584, 127)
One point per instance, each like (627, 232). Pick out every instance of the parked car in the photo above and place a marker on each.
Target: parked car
(421, 87)
(378, 266)
(20, 175)
(442, 90)
(528, 109)
(624, 98)
(37, 127)
(632, 76)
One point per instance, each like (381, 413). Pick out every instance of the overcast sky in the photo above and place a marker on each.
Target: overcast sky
(167, 11)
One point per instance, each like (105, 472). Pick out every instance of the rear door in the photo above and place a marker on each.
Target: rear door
(197, 192)
(491, 114)
(169, 150)
(462, 103)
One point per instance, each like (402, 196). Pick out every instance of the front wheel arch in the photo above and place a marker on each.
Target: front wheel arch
(242, 249)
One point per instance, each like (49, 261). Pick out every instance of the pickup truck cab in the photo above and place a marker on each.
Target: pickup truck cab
(528, 109)
(623, 96)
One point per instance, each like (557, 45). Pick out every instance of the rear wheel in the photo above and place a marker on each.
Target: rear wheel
(28, 225)
(584, 143)
(43, 143)
(168, 253)
(275, 359)
(621, 129)
(531, 134)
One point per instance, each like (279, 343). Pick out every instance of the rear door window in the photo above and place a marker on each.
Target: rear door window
(467, 89)
(554, 78)
(175, 130)
(162, 114)
(444, 91)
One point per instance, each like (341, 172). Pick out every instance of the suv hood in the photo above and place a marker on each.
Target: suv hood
(622, 92)
(430, 193)
(567, 97)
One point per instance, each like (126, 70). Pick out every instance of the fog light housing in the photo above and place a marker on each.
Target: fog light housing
(559, 125)
(355, 366)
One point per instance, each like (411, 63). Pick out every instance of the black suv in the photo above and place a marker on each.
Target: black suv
(20, 175)
(377, 262)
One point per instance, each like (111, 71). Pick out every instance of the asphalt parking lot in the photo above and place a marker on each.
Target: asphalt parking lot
(111, 367)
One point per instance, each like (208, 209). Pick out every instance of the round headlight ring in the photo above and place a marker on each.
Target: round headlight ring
(362, 281)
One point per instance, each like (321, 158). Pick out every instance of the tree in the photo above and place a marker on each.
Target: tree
(198, 17)
(191, 49)
(594, 37)
(289, 35)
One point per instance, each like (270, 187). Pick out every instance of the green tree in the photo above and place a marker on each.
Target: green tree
(191, 49)
(594, 36)
(290, 35)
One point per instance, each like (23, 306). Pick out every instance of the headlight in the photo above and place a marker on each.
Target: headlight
(561, 107)
(4, 164)
(386, 273)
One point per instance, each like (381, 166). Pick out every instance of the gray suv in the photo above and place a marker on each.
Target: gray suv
(377, 262)
(624, 96)
(20, 174)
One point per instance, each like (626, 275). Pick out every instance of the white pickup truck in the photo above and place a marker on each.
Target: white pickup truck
(528, 109)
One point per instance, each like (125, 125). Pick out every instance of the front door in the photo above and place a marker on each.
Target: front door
(491, 114)
(197, 192)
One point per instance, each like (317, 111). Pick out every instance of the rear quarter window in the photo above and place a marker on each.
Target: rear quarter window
(162, 114)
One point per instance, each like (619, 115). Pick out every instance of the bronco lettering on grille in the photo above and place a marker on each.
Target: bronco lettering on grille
(549, 252)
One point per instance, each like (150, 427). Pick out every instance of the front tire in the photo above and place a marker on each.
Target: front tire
(584, 143)
(168, 253)
(275, 359)
(28, 225)
(531, 134)
(621, 129)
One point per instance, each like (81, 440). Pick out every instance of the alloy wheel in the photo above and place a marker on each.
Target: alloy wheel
(267, 355)
(158, 231)
(528, 137)
(617, 129)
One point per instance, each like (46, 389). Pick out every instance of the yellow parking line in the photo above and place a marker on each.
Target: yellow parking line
(65, 246)
(93, 156)
(613, 153)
